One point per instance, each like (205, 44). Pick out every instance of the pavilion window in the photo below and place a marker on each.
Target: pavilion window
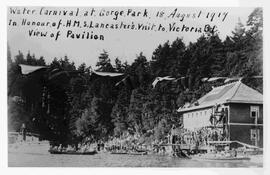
(254, 111)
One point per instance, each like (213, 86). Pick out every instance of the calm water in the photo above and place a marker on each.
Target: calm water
(44, 159)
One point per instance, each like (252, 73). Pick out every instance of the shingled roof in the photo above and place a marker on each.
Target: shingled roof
(236, 92)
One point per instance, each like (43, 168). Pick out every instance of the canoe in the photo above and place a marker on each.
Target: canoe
(140, 150)
(137, 153)
(118, 152)
(73, 152)
(130, 153)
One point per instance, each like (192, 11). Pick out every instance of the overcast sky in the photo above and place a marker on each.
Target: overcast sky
(118, 43)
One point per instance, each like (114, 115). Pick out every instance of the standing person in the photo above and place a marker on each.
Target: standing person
(23, 131)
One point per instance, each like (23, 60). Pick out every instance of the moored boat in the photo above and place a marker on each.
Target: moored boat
(130, 153)
(137, 153)
(114, 152)
(73, 152)
(219, 158)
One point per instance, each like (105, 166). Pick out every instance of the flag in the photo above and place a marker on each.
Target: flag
(110, 74)
(215, 79)
(57, 73)
(181, 78)
(204, 79)
(257, 76)
(158, 79)
(122, 81)
(26, 69)
(232, 79)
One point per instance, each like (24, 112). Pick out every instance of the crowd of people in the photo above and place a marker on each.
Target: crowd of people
(200, 137)
(131, 142)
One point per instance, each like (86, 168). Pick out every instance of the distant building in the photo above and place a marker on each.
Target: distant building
(234, 108)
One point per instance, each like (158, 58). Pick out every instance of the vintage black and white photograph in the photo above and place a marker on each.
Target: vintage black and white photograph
(109, 86)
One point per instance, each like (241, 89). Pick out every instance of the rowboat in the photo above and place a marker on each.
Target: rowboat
(73, 152)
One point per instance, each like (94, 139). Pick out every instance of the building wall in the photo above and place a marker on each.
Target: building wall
(243, 134)
(241, 123)
(197, 119)
(240, 113)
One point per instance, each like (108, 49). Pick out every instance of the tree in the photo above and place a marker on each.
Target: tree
(159, 58)
(104, 63)
(16, 114)
(135, 109)
(9, 59)
(139, 71)
(82, 67)
(120, 112)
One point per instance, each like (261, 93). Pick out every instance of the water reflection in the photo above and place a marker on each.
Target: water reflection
(111, 160)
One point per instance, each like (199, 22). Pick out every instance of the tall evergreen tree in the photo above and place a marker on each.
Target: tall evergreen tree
(104, 63)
